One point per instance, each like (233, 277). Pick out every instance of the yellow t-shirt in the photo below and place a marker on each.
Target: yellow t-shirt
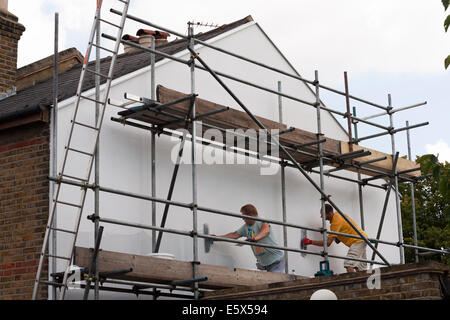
(338, 224)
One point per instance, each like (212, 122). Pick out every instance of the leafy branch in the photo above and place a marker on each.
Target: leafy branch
(446, 4)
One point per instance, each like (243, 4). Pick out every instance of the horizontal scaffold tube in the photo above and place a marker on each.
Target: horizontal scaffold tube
(169, 132)
(174, 203)
(205, 209)
(205, 236)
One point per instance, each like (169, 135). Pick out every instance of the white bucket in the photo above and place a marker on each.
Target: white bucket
(167, 256)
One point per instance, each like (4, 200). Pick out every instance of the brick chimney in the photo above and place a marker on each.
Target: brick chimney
(10, 32)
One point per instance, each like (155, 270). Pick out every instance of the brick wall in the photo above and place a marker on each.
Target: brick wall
(404, 282)
(10, 33)
(24, 187)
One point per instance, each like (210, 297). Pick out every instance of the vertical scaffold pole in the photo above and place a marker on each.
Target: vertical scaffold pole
(348, 114)
(360, 193)
(194, 169)
(413, 203)
(153, 150)
(397, 199)
(97, 154)
(320, 155)
(153, 144)
(53, 153)
(283, 186)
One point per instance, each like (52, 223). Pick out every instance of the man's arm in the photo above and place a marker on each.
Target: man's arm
(330, 240)
(307, 241)
(264, 232)
(231, 235)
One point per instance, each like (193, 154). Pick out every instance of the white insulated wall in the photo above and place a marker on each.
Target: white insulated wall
(125, 165)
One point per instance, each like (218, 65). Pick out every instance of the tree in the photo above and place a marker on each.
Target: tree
(446, 25)
(432, 198)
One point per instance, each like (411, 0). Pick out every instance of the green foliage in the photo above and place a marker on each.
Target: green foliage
(432, 198)
(439, 171)
(445, 3)
(447, 23)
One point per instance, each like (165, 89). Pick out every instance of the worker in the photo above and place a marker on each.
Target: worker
(268, 259)
(357, 247)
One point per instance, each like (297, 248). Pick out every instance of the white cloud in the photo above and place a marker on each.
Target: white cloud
(360, 36)
(442, 148)
(37, 40)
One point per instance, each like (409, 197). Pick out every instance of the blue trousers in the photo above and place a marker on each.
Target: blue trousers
(277, 266)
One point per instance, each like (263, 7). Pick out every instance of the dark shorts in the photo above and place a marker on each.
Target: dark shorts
(277, 266)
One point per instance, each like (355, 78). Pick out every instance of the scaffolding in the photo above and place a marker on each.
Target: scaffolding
(190, 123)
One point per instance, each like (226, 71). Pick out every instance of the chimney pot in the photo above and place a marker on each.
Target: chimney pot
(145, 37)
(126, 47)
(156, 33)
(4, 5)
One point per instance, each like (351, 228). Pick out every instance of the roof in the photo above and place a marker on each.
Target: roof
(43, 69)
(48, 62)
(40, 95)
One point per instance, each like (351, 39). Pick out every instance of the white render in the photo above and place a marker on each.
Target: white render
(125, 165)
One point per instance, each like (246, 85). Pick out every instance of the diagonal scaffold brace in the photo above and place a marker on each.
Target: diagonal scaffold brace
(291, 158)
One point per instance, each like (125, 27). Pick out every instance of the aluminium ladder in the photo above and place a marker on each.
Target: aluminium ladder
(70, 151)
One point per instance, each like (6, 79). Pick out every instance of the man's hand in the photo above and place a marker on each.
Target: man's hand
(212, 240)
(306, 241)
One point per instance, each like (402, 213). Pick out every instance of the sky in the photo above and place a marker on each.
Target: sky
(387, 47)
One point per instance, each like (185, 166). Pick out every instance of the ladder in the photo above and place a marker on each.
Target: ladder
(71, 153)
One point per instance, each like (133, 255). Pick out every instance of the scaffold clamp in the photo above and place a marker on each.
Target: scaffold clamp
(192, 59)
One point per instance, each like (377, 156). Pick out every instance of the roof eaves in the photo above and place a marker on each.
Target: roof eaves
(24, 112)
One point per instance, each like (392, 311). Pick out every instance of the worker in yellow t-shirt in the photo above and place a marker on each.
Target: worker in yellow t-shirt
(357, 247)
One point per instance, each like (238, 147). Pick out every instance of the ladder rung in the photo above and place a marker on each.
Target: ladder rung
(51, 283)
(98, 74)
(110, 23)
(75, 178)
(103, 48)
(68, 204)
(93, 100)
(82, 152)
(63, 230)
(121, 105)
(58, 257)
(85, 125)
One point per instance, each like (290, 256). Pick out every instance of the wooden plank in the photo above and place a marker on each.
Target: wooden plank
(232, 119)
(385, 165)
(157, 270)
(235, 119)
